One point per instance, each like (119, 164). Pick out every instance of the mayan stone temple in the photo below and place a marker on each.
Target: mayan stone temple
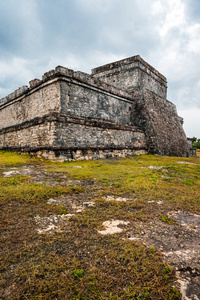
(120, 109)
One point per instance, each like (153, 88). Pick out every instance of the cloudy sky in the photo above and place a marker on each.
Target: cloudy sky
(38, 35)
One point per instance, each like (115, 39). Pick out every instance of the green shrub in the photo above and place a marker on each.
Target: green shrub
(196, 145)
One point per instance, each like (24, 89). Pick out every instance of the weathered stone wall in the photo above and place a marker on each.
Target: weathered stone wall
(161, 124)
(73, 93)
(31, 104)
(67, 135)
(81, 136)
(38, 136)
(132, 73)
(81, 100)
(69, 115)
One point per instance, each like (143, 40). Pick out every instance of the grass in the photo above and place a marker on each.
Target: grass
(166, 219)
(11, 159)
(132, 176)
(78, 262)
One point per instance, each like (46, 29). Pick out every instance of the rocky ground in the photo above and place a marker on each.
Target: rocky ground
(175, 233)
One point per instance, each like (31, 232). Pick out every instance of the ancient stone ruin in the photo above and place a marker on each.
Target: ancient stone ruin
(120, 109)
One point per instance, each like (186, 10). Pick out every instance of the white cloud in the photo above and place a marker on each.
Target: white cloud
(178, 54)
(16, 67)
(193, 32)
(13, 73)
(175, 17)
(157, 8)
(191, 121)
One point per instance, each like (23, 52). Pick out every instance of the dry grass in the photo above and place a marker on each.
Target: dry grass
(78, 262)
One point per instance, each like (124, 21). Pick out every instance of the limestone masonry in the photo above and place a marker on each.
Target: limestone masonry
(121, 109)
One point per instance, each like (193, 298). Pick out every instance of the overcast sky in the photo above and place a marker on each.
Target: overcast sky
(38, 35)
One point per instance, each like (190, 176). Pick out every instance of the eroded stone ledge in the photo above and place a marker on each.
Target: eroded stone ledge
(70, 119)
(62, 73)
(85, 154)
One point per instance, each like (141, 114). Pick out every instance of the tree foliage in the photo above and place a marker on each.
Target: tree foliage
(196, 143)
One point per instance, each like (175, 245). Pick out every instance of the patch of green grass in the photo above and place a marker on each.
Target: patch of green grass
(116, 184)
(166, 219)
(167, 269)
(77, 189)
(168, 178)
(57, 180)
(152, 250)
(188, 181)
(128, 176)
(173, 294)
(11, 159)
(63, 210)
(11, 181)
(77, 274)
(30, 193)
(14, 180)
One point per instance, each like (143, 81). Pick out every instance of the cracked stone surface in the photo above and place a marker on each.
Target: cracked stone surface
(185, 218)
(112, 227)
(180, 245)
(51, 223)
(114, 198)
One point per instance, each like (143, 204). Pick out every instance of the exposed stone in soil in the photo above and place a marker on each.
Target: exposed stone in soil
(185, 218)
(154, 167)
(40, 175)
(51, 223)
(114, 198)
(112, 227)
(180, 245)
(187, 163)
